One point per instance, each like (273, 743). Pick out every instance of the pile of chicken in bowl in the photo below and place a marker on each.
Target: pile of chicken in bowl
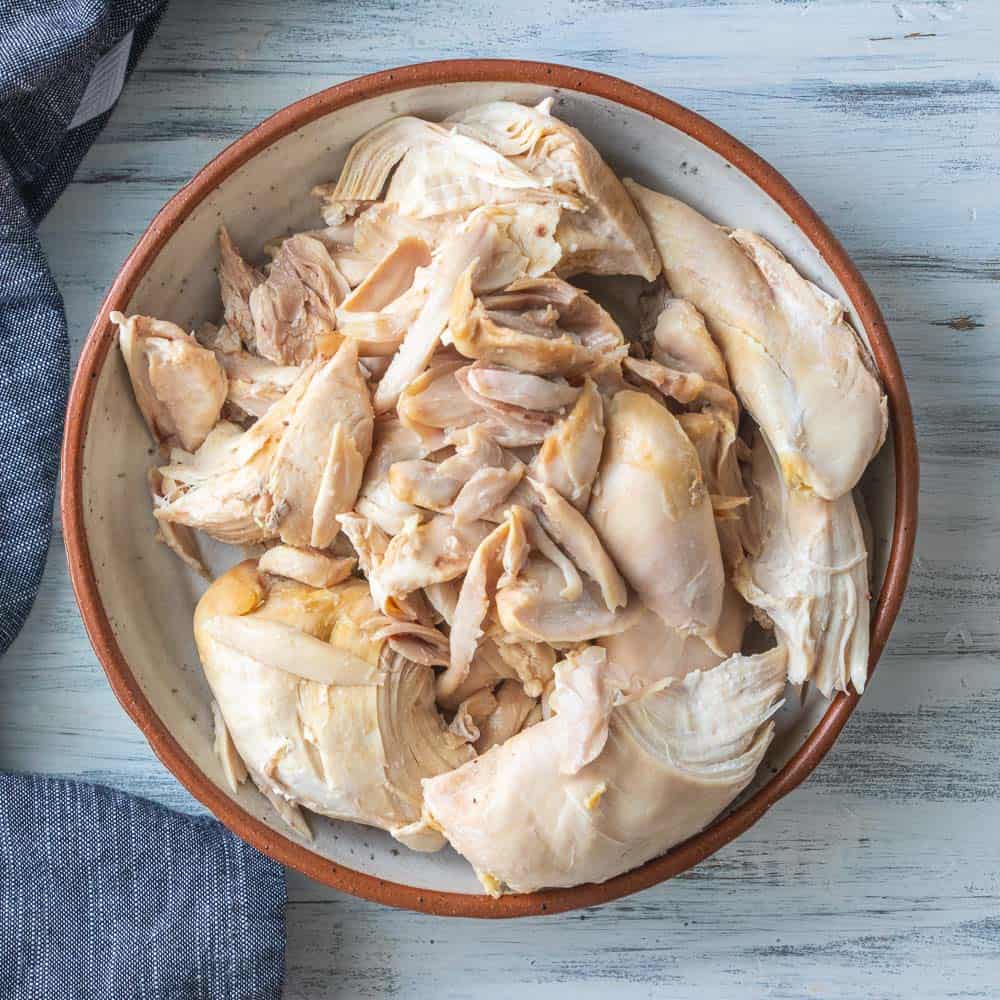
(545, 484)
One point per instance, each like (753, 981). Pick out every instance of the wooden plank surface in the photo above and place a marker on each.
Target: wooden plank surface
(881, 876)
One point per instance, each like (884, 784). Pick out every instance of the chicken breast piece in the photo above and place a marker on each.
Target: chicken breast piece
(686, 364)
(221, 489)
(295, 308)
(651, 652)
(440, 172)
(521, 389)
(237, 279)
(511, 713)
(601, 233)
(378, 312)
(312, 567)
(478, 589)
(318, 466)
(178, 384)
(423, 554)
(810, 578)
(354, 748)
(650, 508)
(255, 384)
(573, 533)
(672, 761)
(393, 443)
(437, 485)
(571, 452)
(719, 450)
(534, 607)
(456, 262)
(543, 326)
(797, 365)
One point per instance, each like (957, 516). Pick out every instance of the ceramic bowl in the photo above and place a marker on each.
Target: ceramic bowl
(137, 599)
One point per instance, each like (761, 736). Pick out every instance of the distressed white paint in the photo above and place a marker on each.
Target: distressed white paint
(881, 876)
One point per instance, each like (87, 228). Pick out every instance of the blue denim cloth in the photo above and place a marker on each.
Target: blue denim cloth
(101, 894)
(48, 49)
(106, 895)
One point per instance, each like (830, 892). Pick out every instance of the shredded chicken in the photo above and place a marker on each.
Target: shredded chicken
(509, 532)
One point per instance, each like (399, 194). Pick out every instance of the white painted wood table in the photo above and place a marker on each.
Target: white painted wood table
(880, 877)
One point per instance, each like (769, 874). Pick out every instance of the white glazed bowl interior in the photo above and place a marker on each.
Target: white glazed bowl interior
(150, 597)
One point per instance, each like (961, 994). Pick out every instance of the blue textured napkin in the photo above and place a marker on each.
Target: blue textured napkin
(106, 895)
(101, 894)
(48, 52)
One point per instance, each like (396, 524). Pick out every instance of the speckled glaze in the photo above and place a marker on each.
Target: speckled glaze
(136, 599)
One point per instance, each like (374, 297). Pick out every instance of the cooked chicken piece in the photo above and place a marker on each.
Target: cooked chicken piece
(688, 367)
(489, 668)
(436, 485)
(393, 442)
(381, 227)
(391, 277)
(434, 402)
(571, 452)
(533, 607)
(332, 237)
(681, 342)
(422, 554)
(810, 578)
(377, 313)
(455, 263)
(420, 643)
(487, 491)
(220, 339)
(672, 761)
(288, 648)
(255, 384)
(650, 651)
(312, 567)
(294, 310)
(454, 173)
(543, 326)
(440, 402)
(353, 744)
(442, 177)
(179, 538)
(601, 233)
(513, 708)
(442, 172)
(232, 763)
(687, 388)
(650, 487)
(317, 468)
(221, 489)
(237, 279)
(520, 389)
(478, 590)
(240, 487)
(498, 655)
(582, 697)
(572, 531)
(370, 544)
(532, 249)
(539, 540)
(714, 439)
(470, 714)
(686, 364)
(796, 364)
(339, 241)
(178, 384)
(515, 426)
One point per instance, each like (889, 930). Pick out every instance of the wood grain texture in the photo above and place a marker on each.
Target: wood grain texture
(880, 877)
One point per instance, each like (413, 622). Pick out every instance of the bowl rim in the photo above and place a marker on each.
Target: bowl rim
(100, 340)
